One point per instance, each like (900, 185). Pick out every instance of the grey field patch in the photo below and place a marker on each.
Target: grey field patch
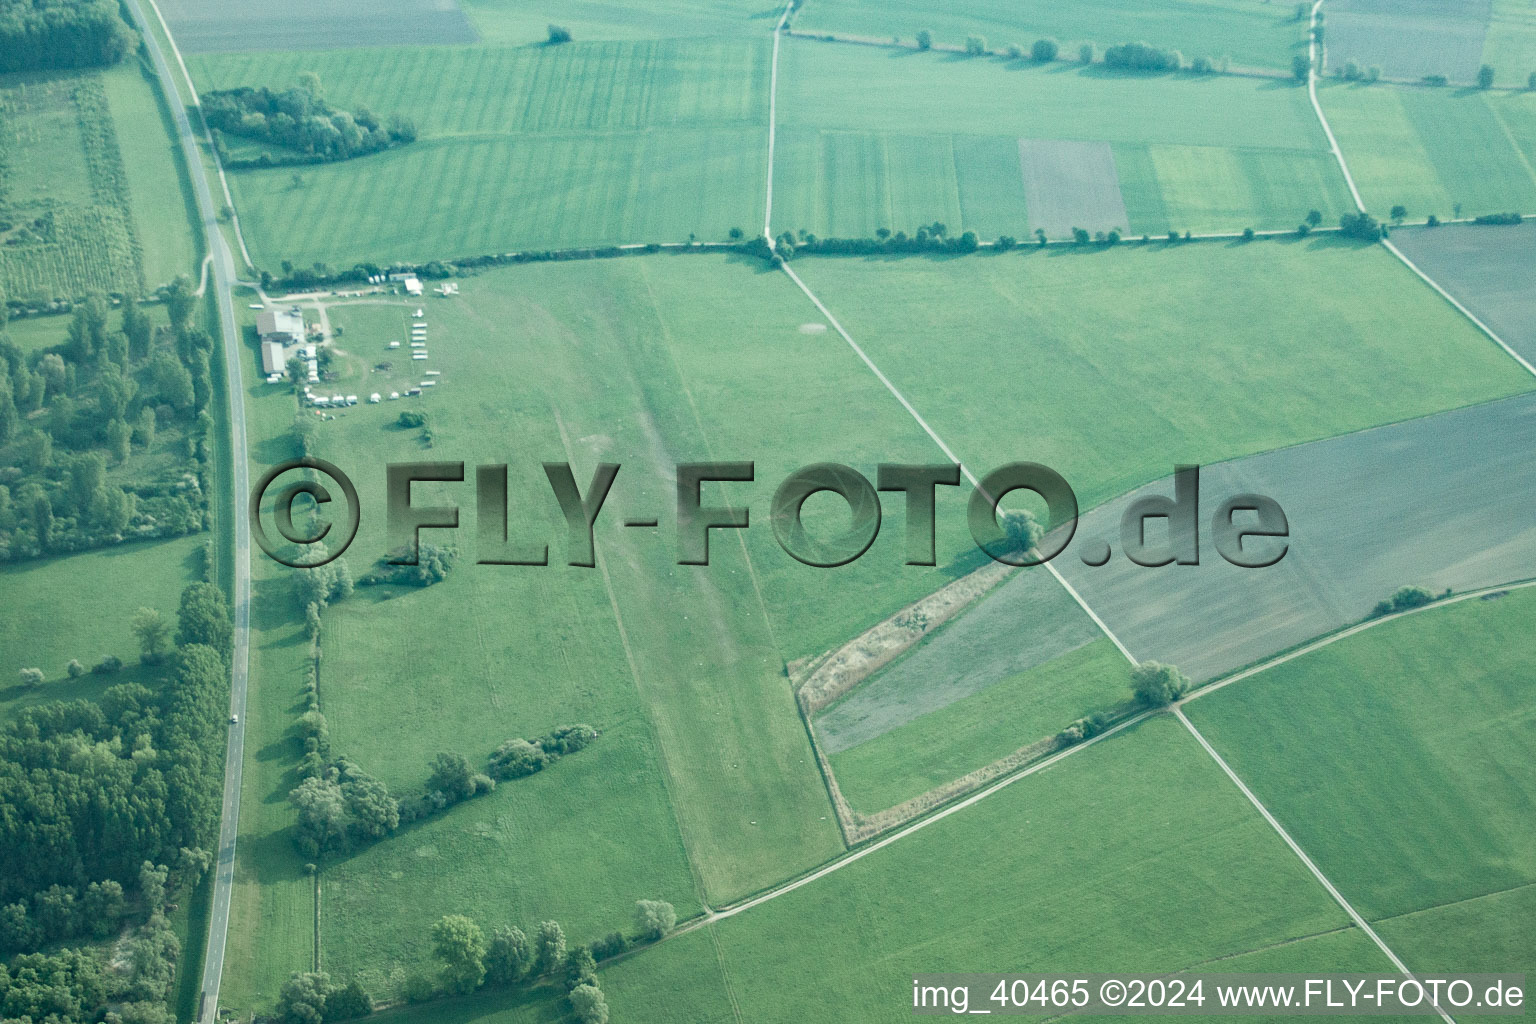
(223, 26)
(1442, 501)
(1490, 270)
(1025, 622)
(1409, 38)
(1070, 185)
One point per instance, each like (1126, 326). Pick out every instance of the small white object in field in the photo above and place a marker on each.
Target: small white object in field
(813, 328)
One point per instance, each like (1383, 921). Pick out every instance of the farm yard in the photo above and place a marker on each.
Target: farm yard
(602, 234)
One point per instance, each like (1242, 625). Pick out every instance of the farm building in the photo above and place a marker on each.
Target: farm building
(272, 360)
(282, 326)
(412, 286)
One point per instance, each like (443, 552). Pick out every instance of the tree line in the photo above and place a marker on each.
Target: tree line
(45, 35)
(299, 119)
(467, 959)
(71, 411)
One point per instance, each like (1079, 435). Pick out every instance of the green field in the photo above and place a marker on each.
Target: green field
(1431, 149)
(1510, 46)
(1250, 33)
(1137, 853)
(513, 23)
(1055, 341)
(872, 138)
(520, 148)
(101, 590)
(649, 362)
(1402, 761)
(158, 189)
(984, 727)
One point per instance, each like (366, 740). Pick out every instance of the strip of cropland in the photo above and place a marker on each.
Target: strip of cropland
(1402, 759)
(1425, 502)
(874, 138)
(542, 147)
(1447, 152)
(1251, 35)
(1487, 269)
(648, 361)
(1046, 345)
(1136, 854)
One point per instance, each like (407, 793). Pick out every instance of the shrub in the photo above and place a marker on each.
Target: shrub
(1398, 213)
(1373, 73)
(1432, 221)
(1303, 229)
(412, 419)
(1044, 50)
(610, 945)
(975, 46)
(924, 39)
(1361, 226)
(1352, 72)
(1142, 57)
(654, 918)
(1247, 234)
(74, 669)
(31, 677)
(1087, 53)
(1014, 51)
(1402, 599)
(108, 665)
(558, 34)
(1157, 685)
(1498, 218)
(1301, 67)
(1530, 81)
(1434, 80)
(1485, 77)
(1202, 66)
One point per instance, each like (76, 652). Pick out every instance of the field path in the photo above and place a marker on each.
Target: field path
(1301, 854)
(1314, 53)
(223, 275)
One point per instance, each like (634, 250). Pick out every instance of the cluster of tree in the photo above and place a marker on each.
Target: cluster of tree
(1352, 72)
(558, 34)
(1498, 218)
(1143, 57)
(298, 119)
(1362, 226)
(310, 997)
(75, 986)
(1157, 685)
(467, 960)
(70, 411)
(317, 587)
(93, 795)
(1084, 728)
(42, 35)
(1404, 598)
(433, 564)
(517, 757)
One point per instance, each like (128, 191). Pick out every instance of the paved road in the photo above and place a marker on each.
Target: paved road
(223, 275)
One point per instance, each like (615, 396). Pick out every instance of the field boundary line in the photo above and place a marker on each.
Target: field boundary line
(1456, 903)
(864, 851)
(1360, 922)
(773, 107)
(213, 150)
(948, 452)
(668, 784)
(1463, 310)
(1345, 633)
(1313, 55)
